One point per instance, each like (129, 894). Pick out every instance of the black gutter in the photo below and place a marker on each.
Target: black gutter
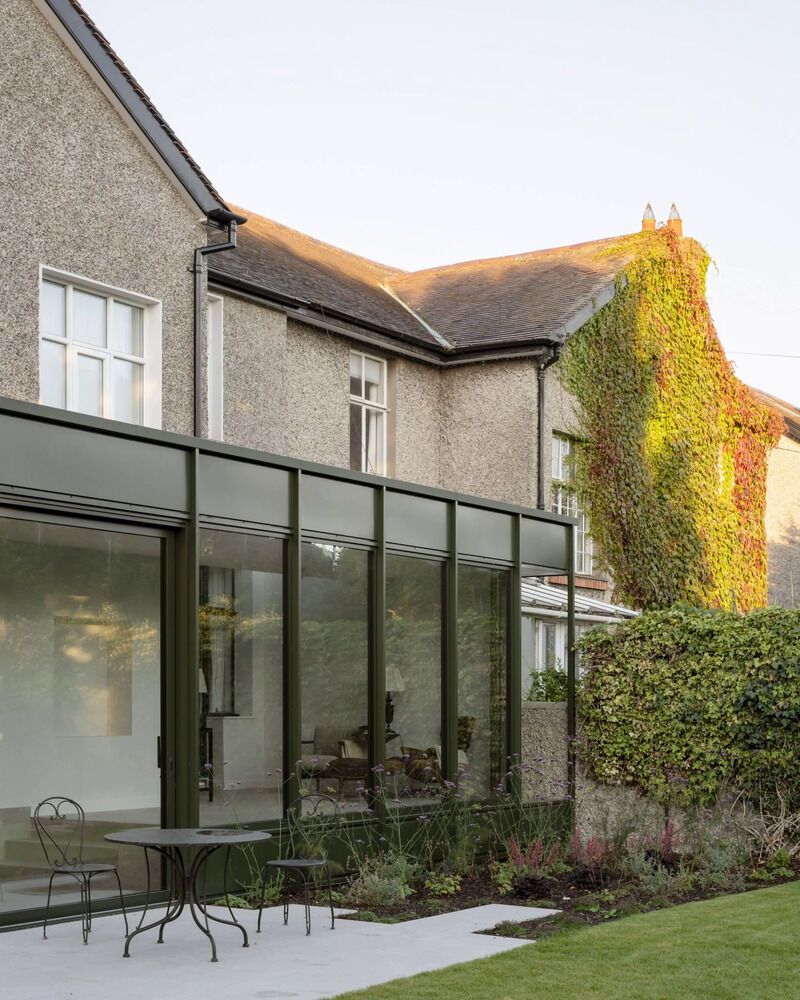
(544, 364)
(433, 353)
(221, 216)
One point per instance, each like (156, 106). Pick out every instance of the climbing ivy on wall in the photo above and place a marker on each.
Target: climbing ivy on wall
(672, 467)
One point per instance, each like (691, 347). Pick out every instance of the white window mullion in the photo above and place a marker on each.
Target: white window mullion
(70, 376)
(115, 353)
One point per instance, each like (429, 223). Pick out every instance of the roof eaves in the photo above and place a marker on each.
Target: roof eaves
(581, 316)
(116, 76)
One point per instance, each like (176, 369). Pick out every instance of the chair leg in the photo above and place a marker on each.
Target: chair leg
(89, 902)
(47, 907)
(330, 896)
(261, 901)
(84, 908)
(307, 895)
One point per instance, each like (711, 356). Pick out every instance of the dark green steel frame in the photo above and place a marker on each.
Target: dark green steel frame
(180, 737)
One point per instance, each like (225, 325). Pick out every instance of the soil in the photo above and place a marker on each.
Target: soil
(583, 897)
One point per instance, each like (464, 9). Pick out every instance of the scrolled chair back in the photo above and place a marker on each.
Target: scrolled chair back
(313, 820)
(59, 822)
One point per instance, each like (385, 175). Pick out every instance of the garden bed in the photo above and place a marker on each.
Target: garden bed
(580, 904)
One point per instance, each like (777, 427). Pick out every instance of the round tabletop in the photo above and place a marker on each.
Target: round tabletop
(191, 837)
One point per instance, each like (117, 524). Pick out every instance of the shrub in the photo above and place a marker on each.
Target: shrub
(443, 883)
(384, 880)
(684, 703)
(549, 684)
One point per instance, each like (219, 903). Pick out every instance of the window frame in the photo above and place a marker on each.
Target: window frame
(369, 404)
(149, 359)
(565, 500)
(215, 366)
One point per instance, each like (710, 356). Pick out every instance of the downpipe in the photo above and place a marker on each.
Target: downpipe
(197, 270)
(544, 364)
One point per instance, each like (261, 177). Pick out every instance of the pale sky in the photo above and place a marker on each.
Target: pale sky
(421, 132)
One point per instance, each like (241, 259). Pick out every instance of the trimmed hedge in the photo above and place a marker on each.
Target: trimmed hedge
(683, 703)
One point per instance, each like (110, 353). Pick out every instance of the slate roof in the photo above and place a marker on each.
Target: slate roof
(272, 258)
(531, 299)
(790, 414)
(544, 295)
(534, 298)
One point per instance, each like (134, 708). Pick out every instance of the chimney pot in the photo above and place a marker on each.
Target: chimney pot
(674, 222)
(648, 219)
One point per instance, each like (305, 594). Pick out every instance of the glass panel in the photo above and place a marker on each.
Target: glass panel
(52, 374)
(373, 380)
(556, 457)
(89, 318)
(548, 661)
(482, 660)
(414, 589)
(356, 386)
(127, 389)
(53, 317)
(80, 662)
(334, 646)
(374, 443)
(356, 444)
(89, 385)
(584, 562)
(126, 329)
(544, 715)
(240, 678)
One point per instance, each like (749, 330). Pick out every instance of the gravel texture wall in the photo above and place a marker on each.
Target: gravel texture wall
(599, 809)
(82, 194)
(783, 524)
(488, 428)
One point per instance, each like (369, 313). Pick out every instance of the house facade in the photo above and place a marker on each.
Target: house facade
(249, 541)
(268, 510)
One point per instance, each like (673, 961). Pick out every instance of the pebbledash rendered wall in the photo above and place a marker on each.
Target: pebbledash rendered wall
(601, 810)
(82, 194)
(470, 428)
(783, 523)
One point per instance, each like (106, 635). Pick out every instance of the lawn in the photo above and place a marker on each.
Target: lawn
(742, 947)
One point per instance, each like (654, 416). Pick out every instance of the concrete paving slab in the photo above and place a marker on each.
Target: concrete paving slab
(282, 963)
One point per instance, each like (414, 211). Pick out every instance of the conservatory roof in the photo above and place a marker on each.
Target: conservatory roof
(544, 596)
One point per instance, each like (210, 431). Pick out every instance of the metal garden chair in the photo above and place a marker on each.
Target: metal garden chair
(312, 819)
(60, 823)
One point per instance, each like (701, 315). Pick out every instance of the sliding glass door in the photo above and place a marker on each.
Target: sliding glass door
(80, 694)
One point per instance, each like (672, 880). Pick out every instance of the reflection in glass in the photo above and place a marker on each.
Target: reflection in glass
(334, 650)
(240, 678)
(80, 667)
(414, 589)
(127, 391)
(89, 318)
(89, 385)
(53, 316)
(482, 666)
(53, 374)
(126, 329)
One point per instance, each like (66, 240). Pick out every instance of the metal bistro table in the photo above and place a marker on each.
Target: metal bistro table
(185, 873)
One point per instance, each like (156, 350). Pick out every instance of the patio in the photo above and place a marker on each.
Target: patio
(282, 962)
